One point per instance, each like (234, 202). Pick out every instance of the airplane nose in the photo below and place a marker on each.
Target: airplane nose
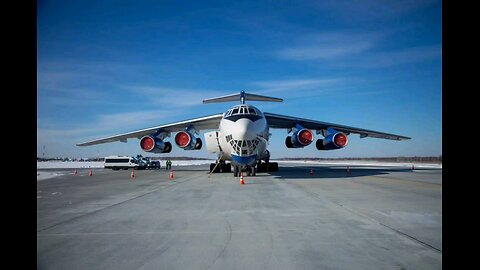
(244, 129)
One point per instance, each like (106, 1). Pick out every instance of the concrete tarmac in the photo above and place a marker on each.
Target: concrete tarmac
(369, 218)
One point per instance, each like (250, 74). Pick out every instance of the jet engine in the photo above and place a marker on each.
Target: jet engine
(299, 138)
(188, 141)
(154, 145)
(333, 141)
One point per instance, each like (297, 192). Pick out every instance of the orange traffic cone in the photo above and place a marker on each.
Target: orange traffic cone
(90, 173)
(242, 182)
(133, 173)
(171, 174)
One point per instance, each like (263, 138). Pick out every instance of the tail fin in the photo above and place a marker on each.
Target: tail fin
(242, 96)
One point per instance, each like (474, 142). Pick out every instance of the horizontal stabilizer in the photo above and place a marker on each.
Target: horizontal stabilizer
(242, 97)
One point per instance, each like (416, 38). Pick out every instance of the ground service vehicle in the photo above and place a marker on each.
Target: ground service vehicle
(121, 162)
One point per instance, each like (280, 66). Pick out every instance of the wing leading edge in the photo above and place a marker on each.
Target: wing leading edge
(283, 121)
(201, 123)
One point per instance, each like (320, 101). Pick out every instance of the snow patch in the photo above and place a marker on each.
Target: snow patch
(366, 163)
(100, 164)
(42, 175)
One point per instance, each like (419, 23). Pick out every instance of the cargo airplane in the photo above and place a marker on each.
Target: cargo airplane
(241, 135)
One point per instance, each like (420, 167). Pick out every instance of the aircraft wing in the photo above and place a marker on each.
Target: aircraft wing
(201, 123)
(283, 121)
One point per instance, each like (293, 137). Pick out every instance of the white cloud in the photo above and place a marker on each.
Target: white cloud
(309, 87)
(395, 57)
(355, 49)
(323, 51)
(277, 86)
(371, 10)
(173, 97)
(329, 45)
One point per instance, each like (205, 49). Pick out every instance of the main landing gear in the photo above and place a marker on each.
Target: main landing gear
(259, 167)
(220, 168)
(249, 170)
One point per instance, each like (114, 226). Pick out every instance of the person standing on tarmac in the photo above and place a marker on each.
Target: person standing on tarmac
(168, 164)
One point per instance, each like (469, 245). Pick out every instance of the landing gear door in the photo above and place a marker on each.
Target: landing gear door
(212, 141)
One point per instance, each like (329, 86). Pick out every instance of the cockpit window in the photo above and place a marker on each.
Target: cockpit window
(243, 110)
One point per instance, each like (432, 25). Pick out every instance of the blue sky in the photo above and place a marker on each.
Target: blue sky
(108, 67)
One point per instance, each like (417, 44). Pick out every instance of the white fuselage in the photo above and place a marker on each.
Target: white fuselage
(243, 135)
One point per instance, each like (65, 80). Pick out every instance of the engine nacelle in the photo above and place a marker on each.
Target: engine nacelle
(188, 141)
(332, 141)
(299, 138)
(154, 145)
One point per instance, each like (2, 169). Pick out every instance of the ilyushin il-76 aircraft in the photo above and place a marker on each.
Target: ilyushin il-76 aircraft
(241, 135)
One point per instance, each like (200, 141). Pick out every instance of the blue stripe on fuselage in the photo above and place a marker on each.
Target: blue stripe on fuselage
(246, 160)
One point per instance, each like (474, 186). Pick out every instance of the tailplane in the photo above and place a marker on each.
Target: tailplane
(242, 97)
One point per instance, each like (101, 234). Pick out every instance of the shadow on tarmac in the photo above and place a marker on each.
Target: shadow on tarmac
(318, 172)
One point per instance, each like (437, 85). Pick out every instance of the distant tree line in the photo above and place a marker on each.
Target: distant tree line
(102, 158)
(437, 159)
(69, 159)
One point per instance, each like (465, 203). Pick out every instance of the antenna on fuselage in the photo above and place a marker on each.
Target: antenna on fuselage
(243, 97)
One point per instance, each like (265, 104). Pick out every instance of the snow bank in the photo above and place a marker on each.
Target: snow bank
(69, 164)
(99, 164)
(42, 175)
(365, 163)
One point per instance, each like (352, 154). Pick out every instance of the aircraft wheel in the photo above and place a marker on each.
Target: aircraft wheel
(228, 167)
(273, 167)
(222, 167)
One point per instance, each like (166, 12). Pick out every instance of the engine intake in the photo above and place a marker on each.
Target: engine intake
(333, 141)
(299, 139)
(154, 145)
(187, 141)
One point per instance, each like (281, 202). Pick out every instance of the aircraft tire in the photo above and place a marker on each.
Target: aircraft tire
(235, 171)
(228, 167)
(273, 167)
